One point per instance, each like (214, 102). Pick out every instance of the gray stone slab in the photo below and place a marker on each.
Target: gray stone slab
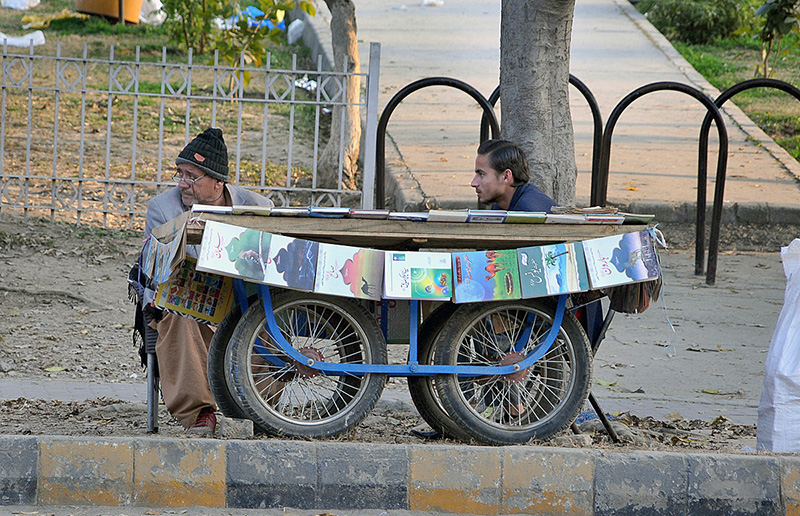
(271, 474)
(357, 476)
(18, 466)
(732, 485)
(641, 483)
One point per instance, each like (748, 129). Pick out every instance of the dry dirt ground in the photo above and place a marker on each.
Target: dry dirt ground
(66, 316)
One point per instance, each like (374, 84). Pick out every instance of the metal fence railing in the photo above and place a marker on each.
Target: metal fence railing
(86, 139)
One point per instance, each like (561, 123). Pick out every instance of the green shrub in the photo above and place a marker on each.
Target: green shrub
(699, 21)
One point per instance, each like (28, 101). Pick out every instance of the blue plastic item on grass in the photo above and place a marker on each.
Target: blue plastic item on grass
(254, 13)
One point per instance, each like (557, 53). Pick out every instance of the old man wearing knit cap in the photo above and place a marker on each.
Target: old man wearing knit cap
(201, 175)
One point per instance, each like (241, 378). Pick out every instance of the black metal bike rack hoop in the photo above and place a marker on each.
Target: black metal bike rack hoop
(380, 146)
(702, 161)
(600, 183)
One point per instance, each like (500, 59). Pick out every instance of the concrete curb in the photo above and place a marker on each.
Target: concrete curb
(324, 475)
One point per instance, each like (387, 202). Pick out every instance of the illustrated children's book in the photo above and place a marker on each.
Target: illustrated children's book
(485, 276)
(234, 251)
(620, 259)
(417, 275)
(199, 295)
(552, 269)
(292, 263)
(349, 271)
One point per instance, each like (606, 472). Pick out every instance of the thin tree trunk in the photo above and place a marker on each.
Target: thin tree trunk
(345, 46)
(535, 38)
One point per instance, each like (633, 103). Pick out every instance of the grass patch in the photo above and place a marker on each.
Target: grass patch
(727, 62)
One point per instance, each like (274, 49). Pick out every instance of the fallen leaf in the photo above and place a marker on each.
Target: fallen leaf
(632, 188)
(719, 420)
(723, 349)
(54, 369)
(711, 391)
(443, 159)
(607, 384)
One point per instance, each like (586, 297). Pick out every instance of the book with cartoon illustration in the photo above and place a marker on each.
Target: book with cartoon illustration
(485, 276)
(202, 296)
(548, 270)
(234, 251)
(619, 259)
(292, 263)
(349, 271)
(417, 275)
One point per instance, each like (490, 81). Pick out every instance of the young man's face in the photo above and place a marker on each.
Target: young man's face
(490, 185)
(200, 188)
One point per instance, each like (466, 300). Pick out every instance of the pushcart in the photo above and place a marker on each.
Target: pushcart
(301, 364)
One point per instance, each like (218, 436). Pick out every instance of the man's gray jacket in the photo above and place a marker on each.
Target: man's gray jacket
(167, 205)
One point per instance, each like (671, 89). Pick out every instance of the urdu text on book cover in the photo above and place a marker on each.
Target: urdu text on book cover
(620, 259)
(548, 270)
(485, 276)
(234, 251)
(349, 271)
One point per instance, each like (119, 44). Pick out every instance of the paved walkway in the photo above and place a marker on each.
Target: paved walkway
(614, 51)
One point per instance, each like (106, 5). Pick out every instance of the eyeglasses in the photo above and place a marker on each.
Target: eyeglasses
(177, 177)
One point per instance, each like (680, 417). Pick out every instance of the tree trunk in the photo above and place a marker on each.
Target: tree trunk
(535, 40)
(345, 45)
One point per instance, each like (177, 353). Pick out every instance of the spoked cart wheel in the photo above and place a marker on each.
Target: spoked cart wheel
(422, 388)
(533, 403)
(289, 398)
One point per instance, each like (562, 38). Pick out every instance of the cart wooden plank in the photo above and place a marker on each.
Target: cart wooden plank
(410, 235)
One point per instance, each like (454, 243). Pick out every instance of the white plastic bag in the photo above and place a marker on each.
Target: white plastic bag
(152, 13)
(779, 409)
(36, 38)
(22, 5)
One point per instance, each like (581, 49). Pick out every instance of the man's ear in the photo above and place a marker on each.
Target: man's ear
(508, 176)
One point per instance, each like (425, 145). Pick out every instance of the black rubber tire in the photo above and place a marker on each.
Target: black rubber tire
(422, 388)
(227, 401)
(535, 403)
(288, 401)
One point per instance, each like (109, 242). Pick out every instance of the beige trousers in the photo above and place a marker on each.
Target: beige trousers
(182, 351)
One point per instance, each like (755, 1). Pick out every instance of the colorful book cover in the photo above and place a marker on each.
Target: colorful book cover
(603, 219)
(200, 295)
(448, 215)
(210, 208)
(491, 216)
(526, 217)
(262, 211)
(149, 255)
(565, 218)
(234, 251)
(363, 213)
(552, 269)
(620, 259)
(417, 275)
(408, 215)
(290, 211)
(329, 212)
(349, 271)
(486, 276)
(292, 263)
